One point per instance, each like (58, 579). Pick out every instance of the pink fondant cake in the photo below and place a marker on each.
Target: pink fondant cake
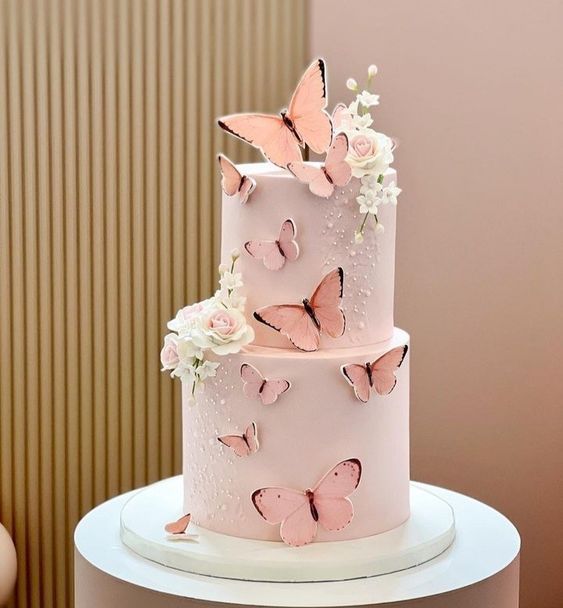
(295, 383)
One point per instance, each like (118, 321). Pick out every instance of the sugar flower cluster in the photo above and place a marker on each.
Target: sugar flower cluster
(370, 153)
(216, 325)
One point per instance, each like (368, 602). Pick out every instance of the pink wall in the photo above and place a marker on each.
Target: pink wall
(474, 91)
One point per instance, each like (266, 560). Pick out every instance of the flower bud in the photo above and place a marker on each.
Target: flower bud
(358, 237)
(223, 268)
(351, 84)
(372, 70)
(235, 255)
(379, 229)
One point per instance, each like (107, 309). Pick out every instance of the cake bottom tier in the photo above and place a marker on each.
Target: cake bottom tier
(317, 423)
(428, 532)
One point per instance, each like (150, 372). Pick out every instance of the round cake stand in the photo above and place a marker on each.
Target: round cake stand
(480, 569)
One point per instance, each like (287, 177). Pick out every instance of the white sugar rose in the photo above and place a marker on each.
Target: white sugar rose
(224, 331)
(369, 153)
(187, 316)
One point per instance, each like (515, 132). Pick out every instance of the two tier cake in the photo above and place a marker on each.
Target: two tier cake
(293, 370)
(295, 381)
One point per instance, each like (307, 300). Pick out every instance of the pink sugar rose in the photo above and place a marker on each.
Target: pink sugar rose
(222, 323)
(169, 353)
(363, 146)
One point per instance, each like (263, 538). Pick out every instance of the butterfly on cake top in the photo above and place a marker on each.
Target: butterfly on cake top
(352, 147)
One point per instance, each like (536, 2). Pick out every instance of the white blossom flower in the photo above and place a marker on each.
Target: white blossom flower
(351, 84)
(230, 280)
(232, 300)
(390, 193)
(207, 369)
(373, 189)
(368, 205)
(367, 99)
(369, 181)
(357, 121)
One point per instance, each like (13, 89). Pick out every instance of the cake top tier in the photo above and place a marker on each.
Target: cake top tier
(289, 239)
(307, 248)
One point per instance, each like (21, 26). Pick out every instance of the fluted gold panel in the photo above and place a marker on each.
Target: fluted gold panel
(109, 216)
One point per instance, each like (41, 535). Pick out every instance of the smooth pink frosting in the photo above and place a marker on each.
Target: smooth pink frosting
(312, 427)
(325, 234)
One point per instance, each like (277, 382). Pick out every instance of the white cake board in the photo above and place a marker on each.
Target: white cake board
(428, 533)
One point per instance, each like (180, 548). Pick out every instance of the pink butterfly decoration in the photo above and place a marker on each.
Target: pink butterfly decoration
(379, 375)
(304, 122)
(255, 386)
(245, 444)
(340, 116)
(300, 513)
(335, 172)
(233, 182)
(177, 529)
(303, 323)
(274, 253)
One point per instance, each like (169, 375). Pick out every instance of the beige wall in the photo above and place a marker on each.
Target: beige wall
(108, 223)
(474, 91)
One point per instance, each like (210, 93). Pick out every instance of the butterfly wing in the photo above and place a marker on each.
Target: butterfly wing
(251, 437)
(307, 108)
(267, 133)
(277, 504)
(287, 242)
(334, 513)
(231, 177)
(383, 370)
(291, 509)
(314, 176)
(334, 509)
(326, 303)
(300, 528)
(357, 377)
(339, 113)
(292, 321)
(252, 380)
(247, 187)
(272, 389)
(237, 443)
(179, 526)
(337, 168)
(268, 252)
(340, 481)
